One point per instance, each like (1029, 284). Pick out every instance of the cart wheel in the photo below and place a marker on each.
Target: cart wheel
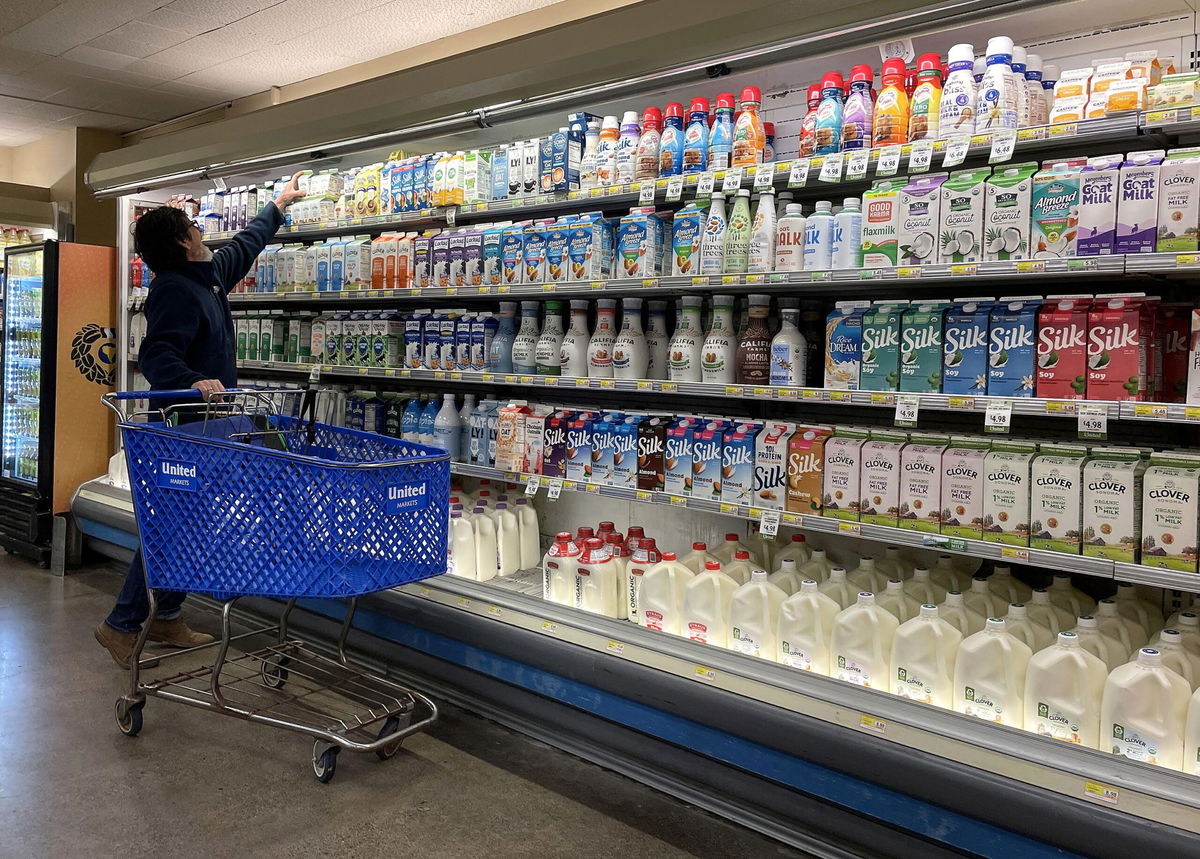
(274, 675)
(129, 717)
(324, 761)
(391, 726)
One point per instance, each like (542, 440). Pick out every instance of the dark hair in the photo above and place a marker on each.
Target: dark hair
(156, 238)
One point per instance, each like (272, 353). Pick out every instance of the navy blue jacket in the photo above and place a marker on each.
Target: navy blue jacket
(189, 329)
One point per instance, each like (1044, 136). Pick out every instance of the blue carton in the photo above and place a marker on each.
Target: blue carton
(965, 346)
(1012, 347)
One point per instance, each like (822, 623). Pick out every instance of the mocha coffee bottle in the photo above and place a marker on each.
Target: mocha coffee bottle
(753, 357)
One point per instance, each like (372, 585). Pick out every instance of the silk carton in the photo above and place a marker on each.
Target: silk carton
(921, 347)
(1119, 327)
(920, 492)
(1006, 471)
(962, 488)
(842, 494)
(1011, 333)
(1112, 504)
(1062, 330)
(965, 346)
(770, 465)
(625, 456)
(1169, 511)
(579, 447)
(879, 369)
(707, 444)
(805, 469)
(738, 447)
(879, 478)
(1175, 324)
(651, 454)
(677, 458)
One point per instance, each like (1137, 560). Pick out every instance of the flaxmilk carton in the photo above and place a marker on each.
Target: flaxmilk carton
(1112, 504)
(1007, 472)
(1011, 349)
(879, 478)
(707, 445)
(921, 347)
(920, 492)
(677, 459)
(1055, 209)
(962, 487)
(737, 463)
(965, 346)
(1137, 203)
(879, 369)
(1119, 327)
(805, 469)
(1097, 226)
(960, 238)
(1179, 202)
(843, 345)
(1062, 329)
(881, 223)
(843, 458)
(1056, 498)
(1006, 212)
(1170, 486)
(771, 465)
(920, 204)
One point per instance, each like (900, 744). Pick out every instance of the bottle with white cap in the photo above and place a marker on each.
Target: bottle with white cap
(683, 352)
(1144, 711)
(860, 646)
(736, 256)
(954, 610)
(1020, 86)
(818, 238)
(1129, 632)
(1066, 596)
(787, 577)
(867, 577)
(460, 547)
(923, 588)
(924, 651)
(1187, 624)
(956, 113)
(763, 235)
(1064, 686)
(707, 600)
(1043, 610)
(847, 235)
(1027, 629)
(1099, 643)
(574, 359)
(486, 555)
(996, 101)
(1133, 607)
(789, 239)
(627, 144)
(657, 341)
(895, 600)
(660, 598)
(1176, 657)
(712, 243)
(805, 627)
(989, 675)
(1050, 76)
(597, 585)
(1003, 584)
(837, 587)
(818, 566)
(754, 617)
(789, 349)
(1038, 113)
(631, 355)
(600, 345)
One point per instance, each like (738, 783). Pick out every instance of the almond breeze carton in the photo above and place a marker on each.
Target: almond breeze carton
(1056, 498)
(962, 488)
(1006, 470)
(805, 469)
(881, 223)
(1112, 504)
(1011, 333)
(842, 490)
(1119, 327)
(920, 491)
(879, 369)
(961, 235)
(512, 253)
(1098, 206)
(1006, 212)
(1169, 511)
(770, 465)
(641, 238)
(737, 463)
(1055, 209)
(921, 347)
(557, 240)
(1179, 202)
(1137, 203)
(590, 251)
(843, 345)
(1062, 329)
(920, 204)
(879, 483)
(965, 347)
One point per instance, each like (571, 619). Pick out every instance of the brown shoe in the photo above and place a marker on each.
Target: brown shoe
(119, 645)
(176, 633)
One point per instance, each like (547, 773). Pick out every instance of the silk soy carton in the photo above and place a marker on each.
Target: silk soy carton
(878, 478)
(771, 465)
(1006, 212)
(1006, 470)
(1062, 329)
(921, 347)
(1174, 321)
(1119, 327)
(1055, 209)
(920, 492)
(1169, 511)
(1011, 360)
(960, 238)
(1112, 504)
(841, 494)
(962, 487)
(737, 463)
(1137, 202)
(879, 369)
(843, 345)
(920, 203)
(965, 346)
(805, 469)
(1098, 206)
(1056, 498)
(881, 223)
(1179, 202)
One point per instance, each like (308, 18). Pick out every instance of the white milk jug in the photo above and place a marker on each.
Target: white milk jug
(983, 600)
(949, 574)
(645, 556)
(739, 568)
(1176, 657)
(707, 599)
(805, 626)
(558, 570)
(1099, 643)
(860, 646)
(923, 655)
(895, 600)
(1043, 610)
(460, 557)
(1191, 737)
(955, 611)
(1187, 624)
(1134, 608)
(989, 676)
(867, 577)
(787, 576)
(764, 547)
(817, 567)
(660, 603)
(1068, 597)
(1131, 633)
(487, 559)
(1064, 685)
(697, 560)
(923, 588)
(1144, 711)
(531, 538)
(597, 583)
(1002, 582)
(729, 547)
(1026, 628)
(892, 564)
(839, 588)
(754, 617)
(797, 549)
(508, 540)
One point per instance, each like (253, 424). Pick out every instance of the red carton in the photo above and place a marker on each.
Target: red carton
(1062, 367)
(1175, 322)
(1120, 330)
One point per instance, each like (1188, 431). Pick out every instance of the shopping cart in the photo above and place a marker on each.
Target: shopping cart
(243, 497)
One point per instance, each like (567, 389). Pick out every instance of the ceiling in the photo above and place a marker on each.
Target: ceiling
(127, 64)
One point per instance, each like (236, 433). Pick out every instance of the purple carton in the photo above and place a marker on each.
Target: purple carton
(554, 444)
(1137, 203)
(1098, 206)
(472, 261)
(457, 273)
(422, 263)
(439, 254)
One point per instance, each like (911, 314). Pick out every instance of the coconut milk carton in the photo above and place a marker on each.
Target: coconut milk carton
(1006, 212)
(1112, 504)
(737, 464)
(965, 346)
(1169, 511)
(1098, 206)
(1006, 470)
(1055, 209)
(843, 455)
(843, 345)
(1179, 202)
(707, 444)
(770, 465)
(677, 456)
(805, 469)
(879, 369)
(1056, 498)
(1118, 330)
(920, 204)
(961, 236)
(1011, 334)
(921, 347)
(879, 482)
(962, 488)
(881, 223)
(1062, 329)
(920, 492)
(1137, 203)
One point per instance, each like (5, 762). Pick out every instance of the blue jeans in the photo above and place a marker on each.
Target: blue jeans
(133, 604)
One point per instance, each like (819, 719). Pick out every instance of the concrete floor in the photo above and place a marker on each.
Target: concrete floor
(197, 784)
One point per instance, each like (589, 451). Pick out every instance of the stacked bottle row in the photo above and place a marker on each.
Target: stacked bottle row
(491, 536)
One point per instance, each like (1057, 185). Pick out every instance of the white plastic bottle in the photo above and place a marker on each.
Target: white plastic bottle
(789, 239)
(818, 238)
(983, 600)
(631, 355)
(787, 577)
(574, 358)
(683, 352)
(1050, 76)
(600, 345)
(740, 567)
(1064, 685)
(754, 617)
(923, 588)
(789, 349)
(796, 548)
(847, 235)
(1187, 624)
(1042, 610)
(948, 574)
(996, 101)
(660, 602)
(956, 114)
(460, 554)
(1131, 634)
(867, 577)
(989, 675)
(712, 244)
(558, 570)
(707, 600)
(548, 352)
(606, 151)
(1099, 643)
(657, 340)
(894, 599)
(1020, 624)
(838, 588)
(736, 254)
(1020, 86)
(1066, 596)
(1038, 114)
(508, 541)
(697, 559)
(893, 564)
(805, 626)
(955, 611)
(717, 364)
(924, 651)
(627, 143)
(1191, 737)
(531, 540)
(1002, 583)
(524, 348)
(729, 547)
(1137, 609)
(447, 428)
(860, 646)
(817, 567)
(587, 164)
(763, 235)
(487, 558)
(1144, 711)
(596, 582)
(1177, 658)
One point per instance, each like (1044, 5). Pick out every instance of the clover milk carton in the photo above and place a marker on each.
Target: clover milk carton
(920, 204)
(921, 347)
(960, 238)
(771, 465)
(1055, 209)
(1062, 329)
(1179, 202)
(1119, 327)
(920, 492)
(1006, 212)
(1137, 203)
(879, 368)
(1170, 486)
(1011, 334)
(805, 469)
(1056, 498)
(1006, 470)
(879, 483)
(965, 347)
(843, 345)
(1112, 503)
(962, 487)
(843, 457)
(1098, 185)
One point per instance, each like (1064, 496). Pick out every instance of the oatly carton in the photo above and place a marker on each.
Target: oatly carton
(1062, 328)
(965, 346)
(1098, 206)
(1056, 498)
(1006, 470)
(920, 219)
(737, 463)
(1174, 321)
(1137, 203)
(843, 345)
(921, 347)
(677, 456)
(843, 457)
(579, 447)
(1118, 330)
(1169, 511)
(879, 473)
(879, 369)
(1011, 333)
(920, 491)
(707, 444)
(651, 454)
(962, 488)
(805, 469)
(1006, 212)
(1179, 202)
(770, 465)
(1112, 503)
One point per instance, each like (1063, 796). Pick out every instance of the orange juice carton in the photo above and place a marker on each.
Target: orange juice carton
(962, 487)
(590, 251)
(640, 242)
(1179, 202)
(738, 448)
(1137, 202)
(1062, 332)
(533, 253)
(472, 258)
(1055, 209)
(879, 483)
(920, 492)
(1006, 485)
(678, 455)
(1119, 327)
(806, 469)
(1170, 487)
(686, 231)
(558, 240)
(770, 465)
(841, 495)
(512, 253)
(439, 256)
(1112, 503)
(1174, 321)
(707, 444)
(1012, 332)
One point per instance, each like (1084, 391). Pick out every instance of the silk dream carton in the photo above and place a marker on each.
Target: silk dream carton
(921, 347)
(1055, 209)
(1006, 212)
(771, 465)
(1119, 327)
(677, 457)
(1011, 358)
(843, 345)
(965, 346)
(1062, 329)
(1169, 511)
(961, 232)
(1112, 503)
(1098, 185)
(920, 492)
(879, 482)
(879, 369)
(1179, 202)
(1056, 498)
(843, 457)
(1137, 203)
(805, 469)
(737, 463)
(962, 488)
(707, 464)
(1006, 470)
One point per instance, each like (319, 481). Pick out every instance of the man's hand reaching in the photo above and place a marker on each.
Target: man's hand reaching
(290, 194)
(209, 388)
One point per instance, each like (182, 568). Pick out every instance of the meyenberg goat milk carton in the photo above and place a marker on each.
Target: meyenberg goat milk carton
(1062, 328)
(879, 483)
(1006, 212)
(1056, 498)
(1006, 470)
(1112, 503)
(843, 458)
(962, 487)
(805, 469)
(1097, 226)
(771, 465)
(1170, 486)
(921, 483)
(1137, 203)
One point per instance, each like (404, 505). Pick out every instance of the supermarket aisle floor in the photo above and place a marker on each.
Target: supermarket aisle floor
(72, 785)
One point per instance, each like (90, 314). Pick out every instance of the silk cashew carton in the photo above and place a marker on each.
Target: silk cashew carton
(962, 488)
(879, 368)
(843, 458)
(1170, 487)
(1112, 503)
(1006, 212)
(805, 469)
(1056, 498)
(961, 234)
(1006, 470)
(879, 481)
(921, 483)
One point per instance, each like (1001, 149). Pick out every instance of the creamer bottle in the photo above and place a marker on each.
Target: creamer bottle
(1045, 612)
(683, 352)
(954, 610)
(670, 153)
(1020, 624)
(996, 101)
(753, 355)
(789, 239)
(596, 583)
(695, 137)
(589, 163)
(1066, 596)
(648, 145)
(630, 353)
(749, 136)
(1020, 86)
(805, 627)
(717, 354)
(527, 521)
(818, 238)
(924, 651)
(627, 143)
(707, 600)
(956, 111)
(642, 558)
(574, 357)
(1099, 643)
(740, 567)
(867, 577)
(808, 126)
(460, 554)
(787, 578)
(600, 346)
(889, 123)
(736, 253)
(487, 558)
(606, 152)
(895, 600)
(847, 235)
(1145, 613)
(926, 100)
(1039, 114)
(558, 570)
(856, 115)
(989, 675)
(1050, 76)
(754, 617)
(499, 359)
(548, 352)
(508, 541)
(763, 235)
(1064, 685)
(660, 602)
(789, 349)
(712, 244)
(837, 587)
(720, 138)
(1002, 583)
(524, 344)
(657, 341)
(860, 645)
(1143, 713)
(828, 127)
(818, 566)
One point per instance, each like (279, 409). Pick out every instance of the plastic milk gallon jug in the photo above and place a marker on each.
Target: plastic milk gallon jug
(861, 643)
(787, 577)
(989, 675)
(1144, 711)
(805, 626)
(531, 541)
(596, 580)
(867, 577)
(1002, 583)
(645, 555)
(1145, 613)
(660, 603)
(1178, 659)
(754, 617)
(983, 600)
(839, 588)
(1130, 633)
(740, 567)
(817, 567)
(461, 557)
(923, 654)
(508, 540)
(706, 604)
(697, 560)
(487, 559)
(895, 600)
(1042, 610)
(1191, 737)
(1064, 685)
(1025, 628)
(923, 588)
(731, 545)
(954, 610)
(1187, 624)
(1100, 644)
(1067, 596)
(796, 548)
(558, 570)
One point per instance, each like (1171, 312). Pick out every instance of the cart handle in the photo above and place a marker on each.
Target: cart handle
(193, 394)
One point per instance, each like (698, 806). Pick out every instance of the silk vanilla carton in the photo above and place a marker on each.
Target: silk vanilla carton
(1006, 212)
(1011, 334)
(962, 487)
(1062, 330)
(1137, 203)
(921, 347)
(738, 450)
(805, 469)
(1119, 329)
(961, 236)
(1007, 471)
(579, 447)
(920, 490)
(1098, 206)
(771, 465)
(1112, 503)
(707, 444)
(879, 367)
(965, 346)
(1170, 486)
(843, 459)
(879, 482)
(1179, 202)
(1056, 498)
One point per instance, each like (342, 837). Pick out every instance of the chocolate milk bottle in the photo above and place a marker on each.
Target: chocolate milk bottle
(753, 358)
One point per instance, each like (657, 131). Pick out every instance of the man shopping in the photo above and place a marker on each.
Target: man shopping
(190, 343)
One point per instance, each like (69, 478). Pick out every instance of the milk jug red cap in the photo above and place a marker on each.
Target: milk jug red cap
(893, 68)
(832, 80)
(699, 105)
(637, 531)
(769, 129)
(563, 536)
(798, 538)
(725, 99)
(751, 93)
(814, 92)
(699, 546)
(615, 537)
(607, 527)
(670, 556)
(585, 532)
(731, 537)
(741, 555)
(862, 73)
(929, 62)
(674, 109)
(715, 566)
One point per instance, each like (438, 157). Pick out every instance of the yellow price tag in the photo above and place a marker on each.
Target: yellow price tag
(644, 385)
(965, 403)
(599, 284)
(679, 501)
(786, 393)
(1149, 410)
(841, 396)
(439, 374)
(1060, 407)
(708, 675)
(643, 495)
(593, 488)
(570, 485)
(668, 386)
(755, 278)
(1101, 792)
(1156, 116)
(616, 647)
(1191, 413)
(811, 394)
(650, 282)
(734, 391)
(547, 287)
(731, 279)
(581, 383)
(1187, 259)
(908, 271)
(1027, 266)
(729, 508)
(362, 371)
(850, 527)
(607, 383)
(793, 518)
(963, 268)
(527, 380)
(1066, 129)
(881, 399)
(1015, 553)
(550, 381)
(768, 393)
(872, 723)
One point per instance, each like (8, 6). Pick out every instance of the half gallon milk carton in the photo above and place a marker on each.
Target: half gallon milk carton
(1011, 333)
(1006, 470)
(805, 469)
(1137, 203)
(1170, 486)
(579, 447)
(961, 235)
(1119, 327)
(686, 233)
(962, 487)
(920, 219)
(879, 369)
(881, 223)
(879, 483)
(737, 463)
(1056, 498)
(965, 347)
(677, 459)
(921, 483)
(590, 251)
(707, 444)
(1179, 202)
(1098, 206)
(771, 465)
(1055, 209)
(1062, 329)
(1112, 503)
(842, 489)
(843, 345)
(921, 347)
(1006, 214)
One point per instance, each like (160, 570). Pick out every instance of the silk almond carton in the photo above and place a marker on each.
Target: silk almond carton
(1056, 498)
(1011, 350)
(1006, 212)
(842, 493)
(965, 347)
(1119, 328)
(805, 469)
(1170, 486)
(677, 458)
(625, 446)
(920, 491)
(879, 478)
(1062, 329)
(1112, 504)
(962, 488)
(651, 454)
(1006, 470)
(879, 368)
(738, 450)
(707, 463)
(579, 447)
(770, 465)
(604, 442)
(921, 347)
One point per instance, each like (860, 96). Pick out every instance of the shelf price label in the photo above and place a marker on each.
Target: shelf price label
(998, 417)
(555, 488)
(1150, 410)
(889, 161)
(646, 194)
(831, 167)
(768, 523)
(732, 181)
(1014, 554)
(705, 183)
(857, 162)
(1093, 421)
(1101, 792)
(872, 723)
(675, 188)
(956, 151)
(850, 527)
(920, 156)
(764, 177)
(964, 403)
(907, 408)
(798, 175)
(531, 488)
(1004, 141)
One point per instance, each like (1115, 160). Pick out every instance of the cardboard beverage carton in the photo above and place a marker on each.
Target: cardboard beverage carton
(440, 256)
(677, 456)
(1174, 322)
(1006, 212)
(1137, 203)
(879, 369)
(1193, 373)
(1055, 209)
(805, 469)
(843, 345)
(737, 463)
(1112, 504)
(493, 270)
(707, 444)
(1118, 329)
(1062, 329)
(590, 251)
(921, 347)
(1170, 486)
(771, 465)
(1098, 193)
(640, 240)
(472, 259)
(686, 232)
(962, 225)
(1056, 498)
(477, 176)
(603, 447)
(533, 252)
(554, 445)
(558, 240)
(510, 436)
(1006, 485)
(535, 438)
(1011, 333)
(879, 474)
(422, 264)
(651, 454)
(920, 219)
(962, 487)
(920, 493)
(457, 260)
(881, 223)
(842, 496)
(625, 455)
(965, 346)
(579, 447)
(1179, 202)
